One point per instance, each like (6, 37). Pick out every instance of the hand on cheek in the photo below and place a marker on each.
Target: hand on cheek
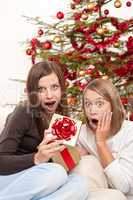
(103, 127)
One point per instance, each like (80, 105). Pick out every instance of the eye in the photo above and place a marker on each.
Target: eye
(99, 103)
(55, 86)
(41, 89)
(87, 104)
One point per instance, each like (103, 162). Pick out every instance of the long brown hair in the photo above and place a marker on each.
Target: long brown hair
(106, 89)
(38, 71)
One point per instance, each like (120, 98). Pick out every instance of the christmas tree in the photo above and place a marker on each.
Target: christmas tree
(89, 44)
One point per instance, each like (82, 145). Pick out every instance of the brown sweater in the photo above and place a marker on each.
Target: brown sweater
(18, 141)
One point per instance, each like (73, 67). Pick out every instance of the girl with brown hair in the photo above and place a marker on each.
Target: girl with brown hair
(26, 168)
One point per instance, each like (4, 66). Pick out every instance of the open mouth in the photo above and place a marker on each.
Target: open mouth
(50, 105)
(94, 121)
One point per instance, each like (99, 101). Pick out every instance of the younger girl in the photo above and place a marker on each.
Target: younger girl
(108, 137)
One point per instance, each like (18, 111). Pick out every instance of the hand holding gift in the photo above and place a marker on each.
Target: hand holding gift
(48, 148)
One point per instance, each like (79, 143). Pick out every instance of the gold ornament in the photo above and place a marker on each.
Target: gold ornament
(106, 30)
(117, 4)
(81, 73)
(66, 83)
(65, 27)
(100, 31)
(116, 44)
(71, 101)
(57, 39)
(91, 6)
(84, 16)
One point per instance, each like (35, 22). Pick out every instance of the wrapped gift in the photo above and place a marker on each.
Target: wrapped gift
(68, 158)
(66, 129)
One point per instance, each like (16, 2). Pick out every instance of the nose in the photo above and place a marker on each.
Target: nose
(93, 109)
(49, 94)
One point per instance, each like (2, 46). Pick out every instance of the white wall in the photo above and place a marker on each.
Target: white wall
(14, 30)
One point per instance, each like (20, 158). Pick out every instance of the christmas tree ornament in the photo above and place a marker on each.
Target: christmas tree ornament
(89, 71)
(116, 44)
(91, 6)
(84, 16)
(106, 12)
(65, 27)
(106, 30)
(129, 45)
(60, 15)
(77, 1)
(57, 39)
(100, 31)
(117, 4)
(40, 32)
(66, 83)
(29, 52)
(81, 73)
(71, 101)
(34, 42)
(131, 116)
(128, 3)
(47, 45)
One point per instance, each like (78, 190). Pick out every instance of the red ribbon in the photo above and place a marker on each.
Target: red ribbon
(68, 159)
(64, 128)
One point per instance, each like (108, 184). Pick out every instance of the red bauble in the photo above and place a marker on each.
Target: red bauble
(124, 100)
(40, 32)
(30, 52)
(89, 71)
(128, 3)
(60, 15)
(122, 26)
(76, 1)
(34, 42)
(131, 117)
(130, 45)
(47, 45)
(106, 12)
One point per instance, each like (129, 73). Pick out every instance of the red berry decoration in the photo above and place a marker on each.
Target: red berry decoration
(30, 52)
(34, 42)
(106, 12)
(128, 3)
(77, 1)
(40, 32)
(47, 45)
(60, 15)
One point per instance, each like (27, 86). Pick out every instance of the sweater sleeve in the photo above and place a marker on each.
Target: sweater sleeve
(120, 171)
(16, 125)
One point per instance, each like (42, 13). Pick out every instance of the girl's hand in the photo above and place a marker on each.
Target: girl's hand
(48, 148)
(103, 128)
(82, 151)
